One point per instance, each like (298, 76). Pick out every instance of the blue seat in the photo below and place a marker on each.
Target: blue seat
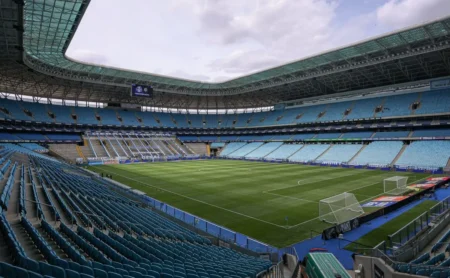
(97, 265)
(31, 265)
(32, 274)
(121, 271)
(83, 275)
(155, 273)
(86, 270)
(75, 266)
(45, 268)
(135, 274)
(141, 270)
(62, 263)
(114, 275)
(58, 272)
(166, 275)
(21, 272)
(72, 274)
(100, 273)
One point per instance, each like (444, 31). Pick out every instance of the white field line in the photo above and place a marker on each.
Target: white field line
(193, 199)
(363, 201)
(290, 197)
(332, 178)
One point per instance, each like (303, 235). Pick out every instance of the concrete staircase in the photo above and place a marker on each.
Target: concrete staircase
(360, 150)
(324, 152)
(399, 155)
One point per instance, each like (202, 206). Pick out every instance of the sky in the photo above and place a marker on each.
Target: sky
(218, 40)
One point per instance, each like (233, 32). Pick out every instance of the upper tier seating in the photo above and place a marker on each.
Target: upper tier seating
(63, 114)
(34, 147)
(340, 153)
(431, 133)
(391, 134)
(31, 136)
(328, 136)
(63, 136)
(425, 154)
(309, 152)
(255, 137)
(397, 105)
(358, 135)
(378, 153)
(7, 136)
(264, 150)
(85, 115)
(108, 117)
(190, 138)
(303, 136)
(225, 138)
(433, 102)
(39, 111)
(284, 151)
(364, 108)
(335, 111)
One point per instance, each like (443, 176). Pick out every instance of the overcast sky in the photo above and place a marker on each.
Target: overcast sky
(217, 40)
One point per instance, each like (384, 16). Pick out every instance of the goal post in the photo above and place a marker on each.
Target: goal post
(339, 208)
(395, 185)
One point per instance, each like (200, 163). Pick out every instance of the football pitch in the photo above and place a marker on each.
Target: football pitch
(277, 204)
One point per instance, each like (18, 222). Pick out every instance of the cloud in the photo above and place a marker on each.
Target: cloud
(244, 62)
(88, 56)
(263, 34)
(187, 75)
(403, 13)
(217, 40)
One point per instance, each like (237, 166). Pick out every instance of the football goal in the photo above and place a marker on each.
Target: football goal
(395, 185)
(339, 208)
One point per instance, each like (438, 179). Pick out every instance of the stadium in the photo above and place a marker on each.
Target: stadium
(335, 165)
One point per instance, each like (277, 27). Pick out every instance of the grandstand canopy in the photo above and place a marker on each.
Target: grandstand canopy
(36, 35)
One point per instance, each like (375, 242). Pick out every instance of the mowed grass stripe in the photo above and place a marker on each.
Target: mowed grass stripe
(235, 189)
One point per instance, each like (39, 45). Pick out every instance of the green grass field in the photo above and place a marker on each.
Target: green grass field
(252, 198)
(380, 234)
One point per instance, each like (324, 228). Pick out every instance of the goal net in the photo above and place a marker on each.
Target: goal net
(340, 208)
(395, 185)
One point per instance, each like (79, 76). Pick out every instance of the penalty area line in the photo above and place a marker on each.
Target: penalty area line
(363, 201)
(199, 201)
(290, 197)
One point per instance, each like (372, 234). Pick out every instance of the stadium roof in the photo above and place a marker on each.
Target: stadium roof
(40, 31)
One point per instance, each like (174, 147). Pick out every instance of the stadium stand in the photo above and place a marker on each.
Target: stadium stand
(378, 153)
(381, 103)
(231, 148)
(246, 149)
(161, 248)
(309, 153)
(328, 135)
(284, 151)
(391, 134)
(388, 106)
(34, 147)
(431, 133)
(426, 154)
(264, 150)
(340, 153)
(303, 136)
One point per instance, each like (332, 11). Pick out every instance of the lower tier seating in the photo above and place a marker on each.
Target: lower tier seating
(426, 154)
(85, 229)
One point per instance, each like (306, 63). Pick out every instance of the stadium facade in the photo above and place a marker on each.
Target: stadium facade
(383, 104)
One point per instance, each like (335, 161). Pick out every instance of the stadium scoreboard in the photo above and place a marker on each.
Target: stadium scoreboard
(141, 91)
